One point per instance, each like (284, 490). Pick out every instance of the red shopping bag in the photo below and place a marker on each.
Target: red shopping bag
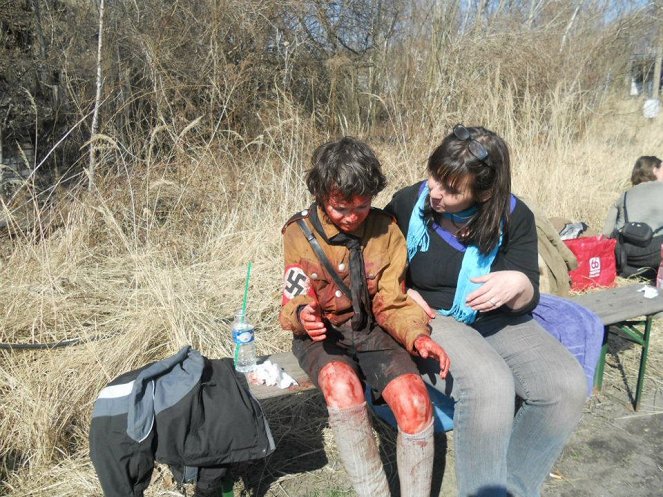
(596, 262)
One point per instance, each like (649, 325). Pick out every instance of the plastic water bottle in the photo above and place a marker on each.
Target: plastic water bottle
(659, 276)
(245, 345)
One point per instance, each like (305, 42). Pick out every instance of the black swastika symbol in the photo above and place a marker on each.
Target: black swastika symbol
(294, 284)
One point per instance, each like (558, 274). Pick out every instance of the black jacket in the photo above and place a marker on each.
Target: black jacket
(186, 411)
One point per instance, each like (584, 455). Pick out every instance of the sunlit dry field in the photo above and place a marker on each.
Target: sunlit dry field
(136, 269)
(153, 255)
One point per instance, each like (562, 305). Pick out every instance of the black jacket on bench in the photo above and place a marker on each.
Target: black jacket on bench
(186, 411)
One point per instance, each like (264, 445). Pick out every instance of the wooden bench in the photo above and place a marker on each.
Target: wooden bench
(288, 362)
(624, 311)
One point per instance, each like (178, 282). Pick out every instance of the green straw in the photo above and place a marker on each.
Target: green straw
(244, 301)
(246, 290)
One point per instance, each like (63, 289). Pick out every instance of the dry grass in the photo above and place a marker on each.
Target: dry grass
(149, 261)
(138, 268)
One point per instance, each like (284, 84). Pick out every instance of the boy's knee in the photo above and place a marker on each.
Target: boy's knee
(340, 385)
(408, 398)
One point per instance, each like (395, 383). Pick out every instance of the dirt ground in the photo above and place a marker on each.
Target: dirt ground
(615, 452)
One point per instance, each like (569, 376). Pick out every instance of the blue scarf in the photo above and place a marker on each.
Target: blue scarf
(474, 262)
(461, 216)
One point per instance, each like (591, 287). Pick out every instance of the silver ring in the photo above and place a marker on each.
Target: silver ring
(492, 302)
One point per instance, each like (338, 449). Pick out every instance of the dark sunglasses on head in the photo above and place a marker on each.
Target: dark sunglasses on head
(475, 148)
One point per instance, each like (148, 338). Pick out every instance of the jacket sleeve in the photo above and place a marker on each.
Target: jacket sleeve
(297, 289)
(611, 220)
(124, 466)
(394, 311)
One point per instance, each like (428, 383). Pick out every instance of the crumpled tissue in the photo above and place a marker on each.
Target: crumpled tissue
(650, 292)
(271, 374)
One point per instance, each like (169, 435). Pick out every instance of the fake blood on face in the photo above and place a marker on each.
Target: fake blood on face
(347, 214)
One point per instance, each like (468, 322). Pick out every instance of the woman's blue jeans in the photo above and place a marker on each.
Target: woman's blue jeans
(499, 449)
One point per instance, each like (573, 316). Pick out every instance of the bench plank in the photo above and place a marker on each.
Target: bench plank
(615, 305)
(624, 311)
(287, 362)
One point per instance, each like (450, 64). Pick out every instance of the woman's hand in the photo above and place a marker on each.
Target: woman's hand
(416, 296)
(311, 320)
(426, 347)
(510, 288)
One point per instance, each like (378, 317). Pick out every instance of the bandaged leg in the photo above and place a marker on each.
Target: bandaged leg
(414, 454)
(358, 450)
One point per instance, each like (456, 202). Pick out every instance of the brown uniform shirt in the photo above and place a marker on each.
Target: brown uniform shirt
(385, 261)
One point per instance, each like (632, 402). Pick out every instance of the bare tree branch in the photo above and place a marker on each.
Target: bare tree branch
(97, 100)
(570, 25)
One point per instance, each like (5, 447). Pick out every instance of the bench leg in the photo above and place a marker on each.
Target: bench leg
(600, 367)
(643, 362)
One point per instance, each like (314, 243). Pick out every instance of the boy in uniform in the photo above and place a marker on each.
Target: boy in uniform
(344, 300)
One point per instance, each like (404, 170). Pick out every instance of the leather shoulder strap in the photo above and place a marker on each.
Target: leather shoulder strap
(323, 258)
(295, 217)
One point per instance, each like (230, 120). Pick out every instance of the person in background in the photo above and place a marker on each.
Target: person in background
(641, 203)
(344, 300)
(472, 248)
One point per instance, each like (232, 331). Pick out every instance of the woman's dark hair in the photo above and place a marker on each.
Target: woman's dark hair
(347, 166)
(490, 182)
(643, 170)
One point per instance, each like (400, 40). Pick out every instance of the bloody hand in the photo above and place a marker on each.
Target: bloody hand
(426, 347)
(311, 320)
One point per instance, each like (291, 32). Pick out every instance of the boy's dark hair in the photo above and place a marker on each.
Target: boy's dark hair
(643, 170)
(347, 166)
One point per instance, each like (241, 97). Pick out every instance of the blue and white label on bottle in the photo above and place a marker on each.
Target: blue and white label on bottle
(243, 334)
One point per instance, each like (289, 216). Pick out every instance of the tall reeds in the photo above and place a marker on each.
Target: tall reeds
(211, 111)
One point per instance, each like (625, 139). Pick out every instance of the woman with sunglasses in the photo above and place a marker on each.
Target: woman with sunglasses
(472, 249)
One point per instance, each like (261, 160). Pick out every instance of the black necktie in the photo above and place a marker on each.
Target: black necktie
(357, 278)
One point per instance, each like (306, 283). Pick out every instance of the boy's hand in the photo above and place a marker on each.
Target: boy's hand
(426, 347)
(311, 319)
